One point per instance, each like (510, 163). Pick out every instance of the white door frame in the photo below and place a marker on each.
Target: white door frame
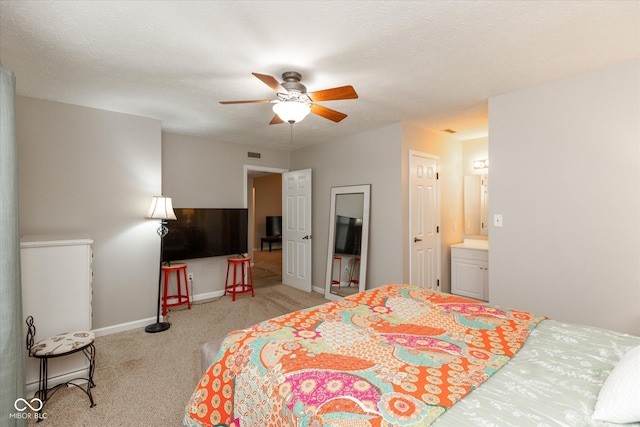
(253, 168)
(438, 237)
(245, 191)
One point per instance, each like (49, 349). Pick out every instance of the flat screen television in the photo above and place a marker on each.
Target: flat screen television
(274, 226)
(348, 237)
(201, 233)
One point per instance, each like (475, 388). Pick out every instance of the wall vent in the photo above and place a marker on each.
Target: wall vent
(254, 155)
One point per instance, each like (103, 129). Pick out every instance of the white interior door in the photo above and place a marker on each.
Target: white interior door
(424, 229)
(296, 229)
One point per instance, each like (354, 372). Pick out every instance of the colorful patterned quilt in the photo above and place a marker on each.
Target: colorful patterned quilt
(398, 355)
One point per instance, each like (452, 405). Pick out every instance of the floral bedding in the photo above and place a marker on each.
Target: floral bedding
(398, 355)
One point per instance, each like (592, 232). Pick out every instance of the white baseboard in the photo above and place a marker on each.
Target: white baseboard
(32, 387)
(122, 327)
(208, 295)
(318, 289)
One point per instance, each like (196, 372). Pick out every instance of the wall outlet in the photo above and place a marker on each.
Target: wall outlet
(190, 277)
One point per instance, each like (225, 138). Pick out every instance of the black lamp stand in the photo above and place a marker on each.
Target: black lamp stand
(159, 326)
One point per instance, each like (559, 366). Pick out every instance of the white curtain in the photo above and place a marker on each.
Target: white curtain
(12, 345)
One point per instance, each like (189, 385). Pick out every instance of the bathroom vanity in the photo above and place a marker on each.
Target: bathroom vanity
(470, 269)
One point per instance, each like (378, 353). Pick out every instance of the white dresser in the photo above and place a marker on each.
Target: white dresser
(470, 269)
(56, 291)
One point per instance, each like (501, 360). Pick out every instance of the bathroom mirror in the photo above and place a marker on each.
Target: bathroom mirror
(348, 241)
(476, 205)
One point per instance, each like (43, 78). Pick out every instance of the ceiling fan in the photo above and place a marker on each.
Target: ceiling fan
(293, 103)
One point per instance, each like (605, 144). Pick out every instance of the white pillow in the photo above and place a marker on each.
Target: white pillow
(619, 397)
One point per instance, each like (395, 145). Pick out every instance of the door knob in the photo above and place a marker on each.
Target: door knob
(307, 237)
(416, 240)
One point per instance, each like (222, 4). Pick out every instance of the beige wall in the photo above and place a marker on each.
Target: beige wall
(268, 202)
(201, 173)
(474, 149)
(368, 158)
(449, 151)
(380, 158)
(83, 170)
(565, 175)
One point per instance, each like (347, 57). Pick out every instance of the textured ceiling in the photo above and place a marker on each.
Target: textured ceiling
(434, 63)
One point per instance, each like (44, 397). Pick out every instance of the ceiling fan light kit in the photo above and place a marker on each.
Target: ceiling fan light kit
(291, 111)
(293, 103)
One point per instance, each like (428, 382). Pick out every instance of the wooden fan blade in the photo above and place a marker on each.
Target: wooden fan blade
(334, 94)
(253, 101)
(272, 82)
(276, 120)
(327, 113)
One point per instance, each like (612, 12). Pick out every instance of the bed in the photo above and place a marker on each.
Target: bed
(401, 355)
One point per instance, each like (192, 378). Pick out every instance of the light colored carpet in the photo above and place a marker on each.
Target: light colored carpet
(146, 379)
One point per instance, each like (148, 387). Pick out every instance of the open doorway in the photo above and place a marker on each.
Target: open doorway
(263, 198)
(267, 220)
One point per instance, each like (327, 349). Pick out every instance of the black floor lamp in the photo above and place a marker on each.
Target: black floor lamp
(162, 209)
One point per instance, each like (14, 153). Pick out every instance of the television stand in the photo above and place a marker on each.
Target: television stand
(270, 240)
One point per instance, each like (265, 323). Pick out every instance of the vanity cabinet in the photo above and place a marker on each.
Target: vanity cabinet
(470, 270)
(56, 291)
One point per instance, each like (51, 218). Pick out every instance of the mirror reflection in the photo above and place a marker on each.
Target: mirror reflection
(476, 205)
(348, 237)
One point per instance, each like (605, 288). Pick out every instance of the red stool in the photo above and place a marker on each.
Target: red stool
(235, 287)
(356, 263)
(179, 297)
(333, 281)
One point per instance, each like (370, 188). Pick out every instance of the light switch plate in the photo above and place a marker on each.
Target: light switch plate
(497, 220)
